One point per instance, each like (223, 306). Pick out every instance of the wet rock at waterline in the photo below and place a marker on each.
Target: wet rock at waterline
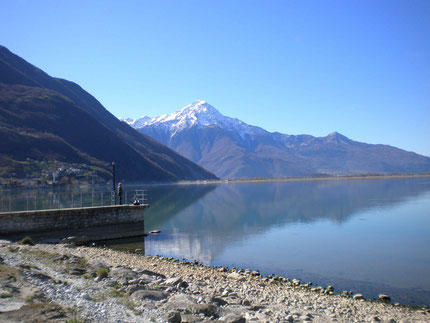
(358, 297)
(384, 298)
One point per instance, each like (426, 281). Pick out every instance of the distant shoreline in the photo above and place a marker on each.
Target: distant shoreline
(291, 179)
(228, 181)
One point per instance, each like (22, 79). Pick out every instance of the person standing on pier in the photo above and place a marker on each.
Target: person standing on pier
(120, 193)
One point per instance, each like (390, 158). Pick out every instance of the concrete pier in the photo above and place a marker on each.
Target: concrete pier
(28, 222)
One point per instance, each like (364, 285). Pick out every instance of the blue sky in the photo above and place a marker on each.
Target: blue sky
(361, 68)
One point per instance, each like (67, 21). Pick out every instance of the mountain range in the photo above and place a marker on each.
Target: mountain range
(45, 119)
(232, 149)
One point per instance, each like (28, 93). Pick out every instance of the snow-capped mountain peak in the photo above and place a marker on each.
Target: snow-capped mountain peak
(201, 113)
(200, 107)
(198, 114)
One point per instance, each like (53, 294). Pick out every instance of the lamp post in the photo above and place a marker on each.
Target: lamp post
(113, 177)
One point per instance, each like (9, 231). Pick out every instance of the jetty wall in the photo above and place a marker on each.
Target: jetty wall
(73, 218)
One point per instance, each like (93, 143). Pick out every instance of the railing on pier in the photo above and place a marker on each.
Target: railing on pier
(44, 200)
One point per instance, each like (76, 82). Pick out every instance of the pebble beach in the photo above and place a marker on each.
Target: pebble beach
(89, 284)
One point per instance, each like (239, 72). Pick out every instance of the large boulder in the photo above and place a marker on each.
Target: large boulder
(218, 301)
(123, 275)
(150, 273)
(174, 281)
(233, 318)
(205, 309)
(173, 317)
(180, 302)
(154, 295)
(236, 276)
(77, 271)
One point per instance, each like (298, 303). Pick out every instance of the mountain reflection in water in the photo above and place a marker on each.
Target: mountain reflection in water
(370, 235)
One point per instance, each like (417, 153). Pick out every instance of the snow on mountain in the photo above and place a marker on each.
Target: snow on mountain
(129, 121)
(136, 123)
(198, 114)
(231, 148)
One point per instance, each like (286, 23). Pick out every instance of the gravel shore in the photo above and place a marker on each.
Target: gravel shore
(103, 285)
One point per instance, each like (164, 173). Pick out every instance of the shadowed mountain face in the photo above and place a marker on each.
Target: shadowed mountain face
(46, 118)
(231, 148)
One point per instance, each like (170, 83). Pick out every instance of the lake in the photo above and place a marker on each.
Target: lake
(367, 235)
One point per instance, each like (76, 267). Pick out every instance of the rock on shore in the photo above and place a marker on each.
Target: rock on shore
(102, 285)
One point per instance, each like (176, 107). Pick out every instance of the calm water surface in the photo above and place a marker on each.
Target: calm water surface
(371, 236)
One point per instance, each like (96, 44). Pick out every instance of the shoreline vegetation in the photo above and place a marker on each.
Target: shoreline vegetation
(97, 284)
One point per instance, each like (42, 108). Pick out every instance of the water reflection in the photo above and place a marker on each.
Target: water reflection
(235, 212)
(368, 235)
(165, 202)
